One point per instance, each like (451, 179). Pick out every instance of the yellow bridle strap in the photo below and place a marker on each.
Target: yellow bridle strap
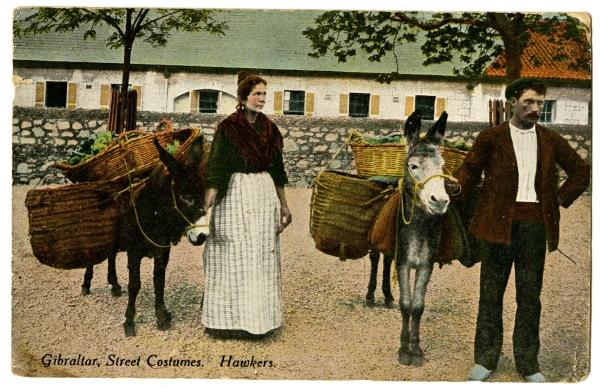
(418, 185)
(137, 219)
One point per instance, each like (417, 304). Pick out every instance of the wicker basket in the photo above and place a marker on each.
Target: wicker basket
(388, 159)
(73, 226)
(132, 151)
(343, 208)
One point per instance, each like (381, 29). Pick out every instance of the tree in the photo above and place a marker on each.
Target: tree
(477, 38)
(128, 24)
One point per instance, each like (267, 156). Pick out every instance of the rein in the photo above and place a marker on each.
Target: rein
(191, 225)
(417, 187)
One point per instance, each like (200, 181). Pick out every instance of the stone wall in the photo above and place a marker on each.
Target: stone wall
(43, 136)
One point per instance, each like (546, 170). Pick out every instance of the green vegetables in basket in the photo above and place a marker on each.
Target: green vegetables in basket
(398, 139)
(460, 145)
(172, 148)
(89, 147)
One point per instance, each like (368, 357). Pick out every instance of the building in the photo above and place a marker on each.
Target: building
(197, 73)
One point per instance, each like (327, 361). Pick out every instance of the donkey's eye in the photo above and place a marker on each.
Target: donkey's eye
(413, 166)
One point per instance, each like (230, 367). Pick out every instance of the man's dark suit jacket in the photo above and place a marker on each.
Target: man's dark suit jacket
(493, 155)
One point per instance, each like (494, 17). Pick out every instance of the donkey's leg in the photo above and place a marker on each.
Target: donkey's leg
(133, 264)
(87, 280)
(163, 316)
(404, 353)
(115, 289)
(422, 276)
(385, 281)
(374, 257)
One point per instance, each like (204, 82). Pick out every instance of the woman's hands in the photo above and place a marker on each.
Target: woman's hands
(285, 218)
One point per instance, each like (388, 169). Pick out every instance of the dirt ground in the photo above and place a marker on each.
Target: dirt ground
(328, 333)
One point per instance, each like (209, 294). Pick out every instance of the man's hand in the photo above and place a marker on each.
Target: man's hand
(452, 187)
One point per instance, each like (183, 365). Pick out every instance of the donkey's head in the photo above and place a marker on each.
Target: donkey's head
(423, 167)
(186, 185)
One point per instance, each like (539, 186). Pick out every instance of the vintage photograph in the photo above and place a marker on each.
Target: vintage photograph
(307, 194)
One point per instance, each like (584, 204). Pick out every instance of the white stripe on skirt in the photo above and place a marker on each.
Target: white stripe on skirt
(242, 268)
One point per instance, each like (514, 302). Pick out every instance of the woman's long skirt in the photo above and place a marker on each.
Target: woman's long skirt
(242, 268)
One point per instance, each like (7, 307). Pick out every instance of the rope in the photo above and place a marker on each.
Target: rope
(400, 210)
(566, 256)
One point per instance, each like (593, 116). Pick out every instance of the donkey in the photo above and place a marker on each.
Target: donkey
(423, 201)
(388, 260)
(152, 221)
(196, 235)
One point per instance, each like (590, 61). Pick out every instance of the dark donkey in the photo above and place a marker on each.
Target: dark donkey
(423, 201)
(152, 221)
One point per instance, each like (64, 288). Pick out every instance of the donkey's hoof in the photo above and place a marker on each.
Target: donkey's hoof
(115, 291)
(390, 303)
(404, 357)
(370, 301)
(85, 290)
(416, 360)
(129, 329)
(164, 323)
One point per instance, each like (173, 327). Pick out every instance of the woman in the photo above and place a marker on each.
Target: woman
(245, 186)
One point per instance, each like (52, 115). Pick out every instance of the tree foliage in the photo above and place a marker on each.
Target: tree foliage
(472, 40)
(150, 25)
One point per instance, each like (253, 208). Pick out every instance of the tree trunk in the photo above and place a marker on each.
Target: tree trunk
(129, 37)
(513, 50)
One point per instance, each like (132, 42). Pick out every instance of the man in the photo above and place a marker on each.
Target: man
(516, 216)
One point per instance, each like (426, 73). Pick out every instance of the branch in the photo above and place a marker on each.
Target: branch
(165, 16)
(401, 17)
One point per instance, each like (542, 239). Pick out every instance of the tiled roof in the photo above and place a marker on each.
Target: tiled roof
(550, 69)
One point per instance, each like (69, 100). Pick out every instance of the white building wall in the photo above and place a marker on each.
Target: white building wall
(170, 93)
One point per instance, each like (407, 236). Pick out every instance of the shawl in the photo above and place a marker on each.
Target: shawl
(257, 151)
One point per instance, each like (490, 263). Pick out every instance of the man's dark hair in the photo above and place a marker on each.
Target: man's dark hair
(517, 87)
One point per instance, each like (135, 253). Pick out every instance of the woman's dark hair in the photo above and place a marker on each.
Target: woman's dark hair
(246, 82)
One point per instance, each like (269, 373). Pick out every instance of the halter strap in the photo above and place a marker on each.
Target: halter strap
(417, 187)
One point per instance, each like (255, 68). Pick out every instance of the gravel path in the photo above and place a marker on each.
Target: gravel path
(328, 332)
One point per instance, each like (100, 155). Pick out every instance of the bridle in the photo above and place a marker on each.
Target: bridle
(175, 206)
(418, 186)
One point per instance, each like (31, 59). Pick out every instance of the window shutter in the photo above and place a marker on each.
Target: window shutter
(440, 106)
(194, 101)
(375, 105)
(138, 89)
(72, 96)
(278, 102)
(40, 93)
(104, 96)
(344, 101)
(409, 105)
(310, 104)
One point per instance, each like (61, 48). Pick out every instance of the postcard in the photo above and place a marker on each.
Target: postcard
(293, 132)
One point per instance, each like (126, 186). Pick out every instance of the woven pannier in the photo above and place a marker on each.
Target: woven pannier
(73, 226)
(130, 156)
(343, 208)
(386, 158)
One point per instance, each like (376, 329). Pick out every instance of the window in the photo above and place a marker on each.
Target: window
(547, 116)
(427, 106)
(208, 101)
(359, 105)
(293, 102)
(56, 94)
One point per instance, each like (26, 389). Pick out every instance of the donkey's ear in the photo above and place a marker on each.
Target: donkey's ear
(435, 134)
(167, 159)
(196, 151)
(412, 127)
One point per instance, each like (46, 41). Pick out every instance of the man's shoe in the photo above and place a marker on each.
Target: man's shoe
(479, 373)
(537, 378)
